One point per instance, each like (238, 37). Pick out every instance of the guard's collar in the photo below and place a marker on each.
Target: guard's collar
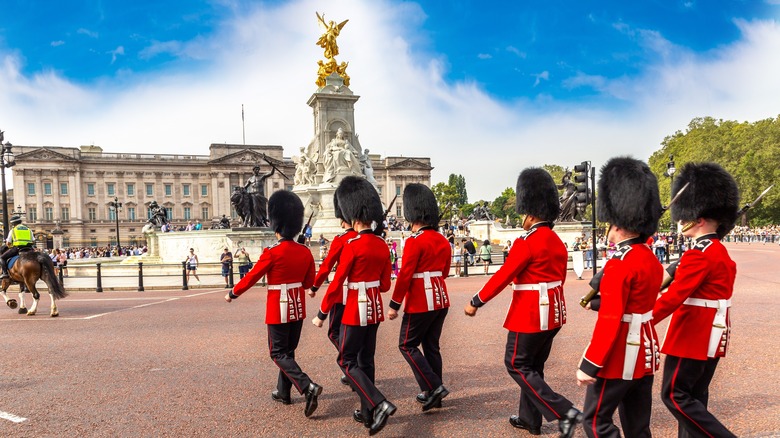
(707, 236)
(540, 224)
(631, 241)
(366, 231)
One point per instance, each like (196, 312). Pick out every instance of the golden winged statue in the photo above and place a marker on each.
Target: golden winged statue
(328, 39)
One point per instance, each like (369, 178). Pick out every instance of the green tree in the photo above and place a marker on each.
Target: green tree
(447, 199)
(504, 205)
(458, 182)
(749, 151)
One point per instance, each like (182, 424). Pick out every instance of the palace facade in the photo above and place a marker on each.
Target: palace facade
(71, 190)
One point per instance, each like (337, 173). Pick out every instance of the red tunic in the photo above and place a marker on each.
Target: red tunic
(333, 256)
(425, 251)
(706, 272)
(286, 262)
(539, 257)
(630, 285)
(364, 258)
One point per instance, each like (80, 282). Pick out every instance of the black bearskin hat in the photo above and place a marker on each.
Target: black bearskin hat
(713, 194)
(336, 209)
(359, 201)
(420, 205)
(628, 196)
(285, 211)
(537, 194)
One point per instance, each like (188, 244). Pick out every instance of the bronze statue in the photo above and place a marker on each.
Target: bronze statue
(158, 219)
(250, 201)
(568, 199)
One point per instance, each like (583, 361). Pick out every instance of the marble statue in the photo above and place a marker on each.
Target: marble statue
(367, 168)
(340, 158)
(304, 170)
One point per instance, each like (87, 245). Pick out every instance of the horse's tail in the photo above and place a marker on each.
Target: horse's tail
(48, 277)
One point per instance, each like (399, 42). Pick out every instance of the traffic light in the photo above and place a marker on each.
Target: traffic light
(581, 182)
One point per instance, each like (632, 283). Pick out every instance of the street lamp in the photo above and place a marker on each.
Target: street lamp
(6, 160)
(116, 205)
(670, 169)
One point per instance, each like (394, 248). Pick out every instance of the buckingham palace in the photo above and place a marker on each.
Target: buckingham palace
(73, 191)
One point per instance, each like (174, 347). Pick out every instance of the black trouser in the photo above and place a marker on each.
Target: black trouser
(334, 321)
(632, 398)
(423, 328)
(525, 356)
(12, 251)
(282, 342)
(685, 391)
(356, 359)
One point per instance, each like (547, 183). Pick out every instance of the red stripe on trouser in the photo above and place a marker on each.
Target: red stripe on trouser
(671, 397)
(514, 354)
(406, 338)
(598, 406)
(346, 372)
(270, 349)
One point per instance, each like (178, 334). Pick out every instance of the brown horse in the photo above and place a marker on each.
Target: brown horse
(28, 269)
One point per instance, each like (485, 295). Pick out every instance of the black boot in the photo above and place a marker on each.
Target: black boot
(568, 424)
(5, 269)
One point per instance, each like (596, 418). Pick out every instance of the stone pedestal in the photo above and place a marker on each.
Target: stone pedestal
(172, 248)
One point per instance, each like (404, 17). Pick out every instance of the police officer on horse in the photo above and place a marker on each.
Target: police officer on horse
(20, 238)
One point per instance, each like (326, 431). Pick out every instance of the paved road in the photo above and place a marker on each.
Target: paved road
(185, 363)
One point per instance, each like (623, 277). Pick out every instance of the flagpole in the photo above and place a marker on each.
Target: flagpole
(243, 126)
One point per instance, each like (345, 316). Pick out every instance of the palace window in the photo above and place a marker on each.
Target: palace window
(398, 210)
(131, 190)
(65, 214)
(204, 213)
(47, 188)
(63, 188)
(169, 213)
(148, 213)
(48, 213)
(91, 189)
(92, 214)
(32, 214)
(204, 190)
(150, 190)
(398, 190)
(168, 189)
(110, 189)
(187, 213)
(111, 214)
(131, 213)
(93, 241)
(30, 188)
(185, 190)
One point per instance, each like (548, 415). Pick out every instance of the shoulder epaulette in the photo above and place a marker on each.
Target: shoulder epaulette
(702, 245)
(416, 234)
(621, 252)
(273, 246)
(341, 234)
(353, 239)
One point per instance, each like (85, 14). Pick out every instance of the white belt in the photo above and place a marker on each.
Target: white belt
(544, 299)
(344, 294)
(633, 340)
(426, 276)
(718, 322)
(361, 287)
(284, 300)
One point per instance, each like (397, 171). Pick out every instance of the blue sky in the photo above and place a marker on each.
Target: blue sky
(469, 85)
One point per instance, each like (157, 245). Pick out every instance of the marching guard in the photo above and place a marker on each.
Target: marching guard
(334, 253)
(290, 270)
(365, 266)
(536, 266)
(623, 355)
(421, 285)
(699, 298)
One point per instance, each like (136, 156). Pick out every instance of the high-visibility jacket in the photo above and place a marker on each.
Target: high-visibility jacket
(21, 236)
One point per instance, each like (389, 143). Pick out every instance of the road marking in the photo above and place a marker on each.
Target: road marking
(84, 318)
(11, 417)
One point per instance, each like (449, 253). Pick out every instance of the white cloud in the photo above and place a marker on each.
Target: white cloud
(87, 32)
(543, 75)
(120, 50)
(57, 43)
(266, 59)
(516, 51)
(484, 56)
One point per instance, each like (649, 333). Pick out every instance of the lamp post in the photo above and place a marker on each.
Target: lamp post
(670, 169)
(6, 160)
(116, 205)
